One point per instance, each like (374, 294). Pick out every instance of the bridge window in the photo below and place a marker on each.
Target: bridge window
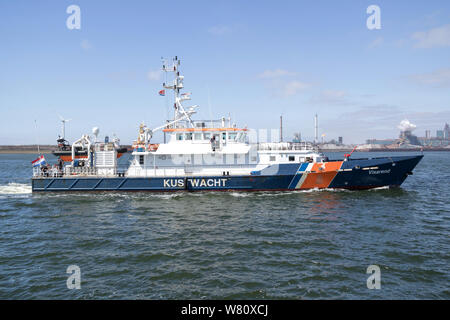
(189, 136)
(242, 137)
(141, 160)
(180, 136)
(232, 135)
(291, 158)
(207, 135)
(197, 136)
(272, 158)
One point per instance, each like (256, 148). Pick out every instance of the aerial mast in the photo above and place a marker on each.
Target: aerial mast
(63, 126)
(176, 86)
(316, 129)
(281, 128)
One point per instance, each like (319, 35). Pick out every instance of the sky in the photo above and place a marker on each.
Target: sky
(252, 60)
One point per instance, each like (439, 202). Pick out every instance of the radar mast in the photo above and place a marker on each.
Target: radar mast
(176, 85)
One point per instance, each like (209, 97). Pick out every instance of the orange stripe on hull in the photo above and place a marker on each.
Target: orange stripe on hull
(333, 165)
(318, 180)
(321, 175)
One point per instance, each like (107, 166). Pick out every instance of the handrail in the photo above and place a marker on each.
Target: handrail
(286, 146)
(69, 171)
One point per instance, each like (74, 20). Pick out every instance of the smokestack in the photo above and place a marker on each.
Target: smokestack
(316, 129)
(281, 128)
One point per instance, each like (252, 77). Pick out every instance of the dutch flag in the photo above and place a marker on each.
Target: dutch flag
(39, 162)
(162, 93)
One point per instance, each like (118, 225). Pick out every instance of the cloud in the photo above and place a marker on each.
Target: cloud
(276, 81)
(333, 94)
(154, 75)
(439, 78)
(400, 43)
(386, 116)
(370, 121)
(433, 38)
(294, 87)
(380, 121)
(376, 43)
(429, 119)
(122, 76)
(220, 30)
(431, 19)
(277, 73)
(373, 114)
(332, 97)
(372, 118)
(85, 45)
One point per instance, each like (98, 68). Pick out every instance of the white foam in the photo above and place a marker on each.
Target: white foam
(268, 193)
(240, 194)
(379, 188)
(166, 196)
(15, 188)
(314, 190)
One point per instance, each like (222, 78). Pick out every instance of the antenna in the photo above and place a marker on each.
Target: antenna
(281, 128)
(316, 129)
(63, 126)
(37, 137)
(209, 105)
(176, 86)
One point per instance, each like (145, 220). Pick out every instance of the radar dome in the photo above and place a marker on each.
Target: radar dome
(95, 131)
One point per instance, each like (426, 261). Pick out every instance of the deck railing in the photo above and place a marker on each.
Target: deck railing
(67, 171)
(44, 172)
(54, 172)
(80, 171)
(306, 146)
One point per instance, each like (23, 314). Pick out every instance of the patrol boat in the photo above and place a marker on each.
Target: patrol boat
(215, 155)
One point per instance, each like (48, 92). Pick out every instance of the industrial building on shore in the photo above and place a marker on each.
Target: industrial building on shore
(408, 140)
(405, 141)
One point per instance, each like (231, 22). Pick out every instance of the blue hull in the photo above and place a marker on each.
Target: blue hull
(353, 174)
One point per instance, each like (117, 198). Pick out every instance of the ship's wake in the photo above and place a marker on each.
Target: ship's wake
(15, 188)
(284, 193)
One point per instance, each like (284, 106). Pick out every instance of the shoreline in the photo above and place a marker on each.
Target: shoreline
(25, 152)
(26, 149)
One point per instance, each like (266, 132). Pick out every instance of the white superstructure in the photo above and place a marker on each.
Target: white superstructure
(207, 147)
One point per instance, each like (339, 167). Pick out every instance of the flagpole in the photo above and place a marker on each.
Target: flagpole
(37, 138)
(209, 105)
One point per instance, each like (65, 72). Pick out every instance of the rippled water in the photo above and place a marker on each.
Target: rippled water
(222, 245)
